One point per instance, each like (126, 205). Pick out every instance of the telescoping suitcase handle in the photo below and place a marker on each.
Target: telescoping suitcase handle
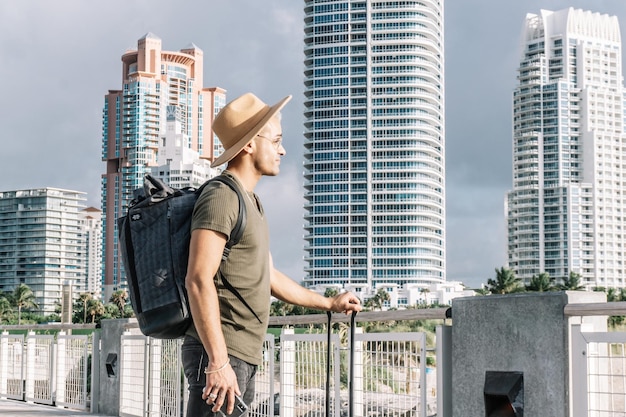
(328, 356)
(351, 364)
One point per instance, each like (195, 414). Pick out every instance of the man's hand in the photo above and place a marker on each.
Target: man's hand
(221, 387)
(346, 303)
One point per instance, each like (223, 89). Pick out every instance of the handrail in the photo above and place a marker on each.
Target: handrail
(408, 314)
(613, 308)
(441, 313)
(48, 326)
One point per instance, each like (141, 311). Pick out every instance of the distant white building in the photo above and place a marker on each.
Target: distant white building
(407, 296)
(177, 164)
(42, 243)
(91, 219)
(565, 210)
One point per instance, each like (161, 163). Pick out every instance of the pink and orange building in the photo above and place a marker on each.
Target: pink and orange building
(154, 82)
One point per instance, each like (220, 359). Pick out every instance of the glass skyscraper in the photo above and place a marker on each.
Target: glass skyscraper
(155, 83)
(565, 211)
(374, 143)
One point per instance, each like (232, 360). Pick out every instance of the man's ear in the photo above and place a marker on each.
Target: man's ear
(248, 148)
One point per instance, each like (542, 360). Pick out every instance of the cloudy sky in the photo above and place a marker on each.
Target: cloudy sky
(59, 58)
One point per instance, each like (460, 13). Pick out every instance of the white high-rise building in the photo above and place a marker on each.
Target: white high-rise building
(42, 243)
(565, 212)
(374, 143)
(91, 219)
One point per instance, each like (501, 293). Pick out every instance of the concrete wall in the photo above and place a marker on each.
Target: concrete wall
(110, 342)
(525, 333)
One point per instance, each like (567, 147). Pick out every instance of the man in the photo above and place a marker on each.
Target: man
(224, 345)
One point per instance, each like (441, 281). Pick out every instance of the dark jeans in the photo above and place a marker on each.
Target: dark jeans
(195, 360)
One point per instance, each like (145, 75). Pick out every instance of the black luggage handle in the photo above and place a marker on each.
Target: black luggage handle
(328, 356)
(351, 365)
(351, 379)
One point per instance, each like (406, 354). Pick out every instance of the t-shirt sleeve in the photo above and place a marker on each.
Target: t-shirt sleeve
(216, 209)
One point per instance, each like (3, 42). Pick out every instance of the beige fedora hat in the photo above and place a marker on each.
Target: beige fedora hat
(240, 121)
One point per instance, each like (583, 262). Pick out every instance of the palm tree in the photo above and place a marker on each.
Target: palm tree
(84, 298)
(376, 302)
(119, 299)
(571, 283)
(331, 292)
(505, 283)
(5, 307)
(612, 295)
(23, 298)
(280, 308)
(94, 308)
(541, 283)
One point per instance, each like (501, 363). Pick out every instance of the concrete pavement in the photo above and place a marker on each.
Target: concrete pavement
(14, 408)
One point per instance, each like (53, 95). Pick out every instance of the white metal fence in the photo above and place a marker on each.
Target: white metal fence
(390, 376)
(12, 366)
(599, 373)
(46, 370)
(151, 377)
(152, 381)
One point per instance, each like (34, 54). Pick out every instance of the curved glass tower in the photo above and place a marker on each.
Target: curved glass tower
(374, 143)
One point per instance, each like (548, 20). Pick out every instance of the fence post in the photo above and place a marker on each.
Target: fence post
(30, 366)
(111, 345)
(4, 363)
(61, 366)
(578, 376)
(444, 370)
(95, 372)
(358, 378)
(287, 377)
(153, 371)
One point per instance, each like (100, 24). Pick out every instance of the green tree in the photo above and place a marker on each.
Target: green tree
(331, 292)
(23, 298)
(280, 308)
(482, 290)
(84, 299)
(94, 308)
(541, 283)
(119, 299)
(128, 311)
(377, 301)
(505, 283)
(571, 283)
(5, 307)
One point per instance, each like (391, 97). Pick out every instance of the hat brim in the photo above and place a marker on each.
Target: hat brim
(234, 150)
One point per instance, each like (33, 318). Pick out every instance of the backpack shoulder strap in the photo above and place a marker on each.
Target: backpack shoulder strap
(240, 226)
(235, 235)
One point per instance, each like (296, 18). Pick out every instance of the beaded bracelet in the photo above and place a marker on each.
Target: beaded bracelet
(221, 368)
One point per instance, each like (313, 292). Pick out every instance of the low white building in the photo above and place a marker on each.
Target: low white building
(403, 297)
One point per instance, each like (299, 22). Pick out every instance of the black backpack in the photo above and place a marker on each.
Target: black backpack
(154, 241)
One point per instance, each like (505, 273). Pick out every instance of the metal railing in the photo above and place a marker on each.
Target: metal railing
(394, 374)
(598, 363)
(47, 369)
(390, 370)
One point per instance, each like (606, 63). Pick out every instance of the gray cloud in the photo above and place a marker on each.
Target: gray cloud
(60, 58)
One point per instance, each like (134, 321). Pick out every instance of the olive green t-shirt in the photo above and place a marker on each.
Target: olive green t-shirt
(246, 269)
